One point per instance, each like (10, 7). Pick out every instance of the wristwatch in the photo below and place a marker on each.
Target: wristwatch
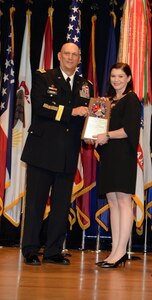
(108, 136)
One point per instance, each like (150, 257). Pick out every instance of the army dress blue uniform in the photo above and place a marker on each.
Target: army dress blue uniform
(51, 153)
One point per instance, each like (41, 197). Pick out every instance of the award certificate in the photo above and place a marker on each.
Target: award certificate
(98, 119)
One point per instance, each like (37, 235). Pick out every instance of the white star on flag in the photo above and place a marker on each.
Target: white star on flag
(75, 9)
(2, 105)
(4, 92)
(73, 18)
(70, 27)
(6, 77)
(75, 39)
(7, 63)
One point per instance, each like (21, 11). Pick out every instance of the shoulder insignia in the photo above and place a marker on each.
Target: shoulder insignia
(41, 70)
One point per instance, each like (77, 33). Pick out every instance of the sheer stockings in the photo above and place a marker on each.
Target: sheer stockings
(121, 219)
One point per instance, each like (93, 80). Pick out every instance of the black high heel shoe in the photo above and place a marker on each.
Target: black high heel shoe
(100, 263)
(119, 262)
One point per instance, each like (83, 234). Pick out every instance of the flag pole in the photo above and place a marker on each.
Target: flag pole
(64, 249)
(22, 220)
(25, 56)
(146, 227)
(83, 240)
(98, 239)
(145, 239)
(64, 245)
(129, 248)
(129, 251)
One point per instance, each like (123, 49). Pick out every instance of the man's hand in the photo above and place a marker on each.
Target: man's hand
(81, 111)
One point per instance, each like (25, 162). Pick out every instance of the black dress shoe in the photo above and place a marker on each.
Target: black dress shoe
(32, 259)
(56, 259)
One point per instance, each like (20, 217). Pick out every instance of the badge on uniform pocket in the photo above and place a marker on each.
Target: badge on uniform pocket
(84, 92)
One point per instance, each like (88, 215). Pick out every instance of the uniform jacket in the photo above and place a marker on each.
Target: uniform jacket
(54, 136)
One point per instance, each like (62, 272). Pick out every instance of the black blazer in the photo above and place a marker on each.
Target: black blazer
(54, 137)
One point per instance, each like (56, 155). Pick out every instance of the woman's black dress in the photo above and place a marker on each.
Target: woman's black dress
(118, 158)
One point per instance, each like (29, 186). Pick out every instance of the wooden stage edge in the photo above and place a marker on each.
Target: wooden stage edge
(81, 280)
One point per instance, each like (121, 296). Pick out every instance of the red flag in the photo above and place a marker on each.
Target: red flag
(0, 48)
(46, 59)
(77, 186)
(88, 154)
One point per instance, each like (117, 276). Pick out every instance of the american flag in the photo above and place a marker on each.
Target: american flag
(22, 119)
(74, 28)
(0, 47)
(6, 116)
(74, 36)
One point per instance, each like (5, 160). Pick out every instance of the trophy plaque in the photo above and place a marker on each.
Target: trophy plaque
(98, 119)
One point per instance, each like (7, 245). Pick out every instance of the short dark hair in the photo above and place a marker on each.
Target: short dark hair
(127, 70)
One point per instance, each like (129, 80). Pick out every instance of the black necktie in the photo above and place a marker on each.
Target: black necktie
(68, 82)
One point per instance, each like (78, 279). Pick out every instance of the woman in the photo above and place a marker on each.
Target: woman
(118, 160)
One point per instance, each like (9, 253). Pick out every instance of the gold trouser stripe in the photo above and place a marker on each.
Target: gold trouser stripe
(59, 113)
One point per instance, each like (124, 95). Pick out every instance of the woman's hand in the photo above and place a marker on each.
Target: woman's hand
(100, 139)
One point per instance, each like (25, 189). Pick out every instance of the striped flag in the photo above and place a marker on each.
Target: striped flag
(6, 113)
(74, 36)
(77, 187)
(16, 191)
(74, 27)
(146, 145)
(139, 192)
(148, 115)
(46, 58)
(147, 91)
(84, 196)
(0, 48)
(135, 49)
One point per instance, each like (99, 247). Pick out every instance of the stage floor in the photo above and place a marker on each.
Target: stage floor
(82, 280)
